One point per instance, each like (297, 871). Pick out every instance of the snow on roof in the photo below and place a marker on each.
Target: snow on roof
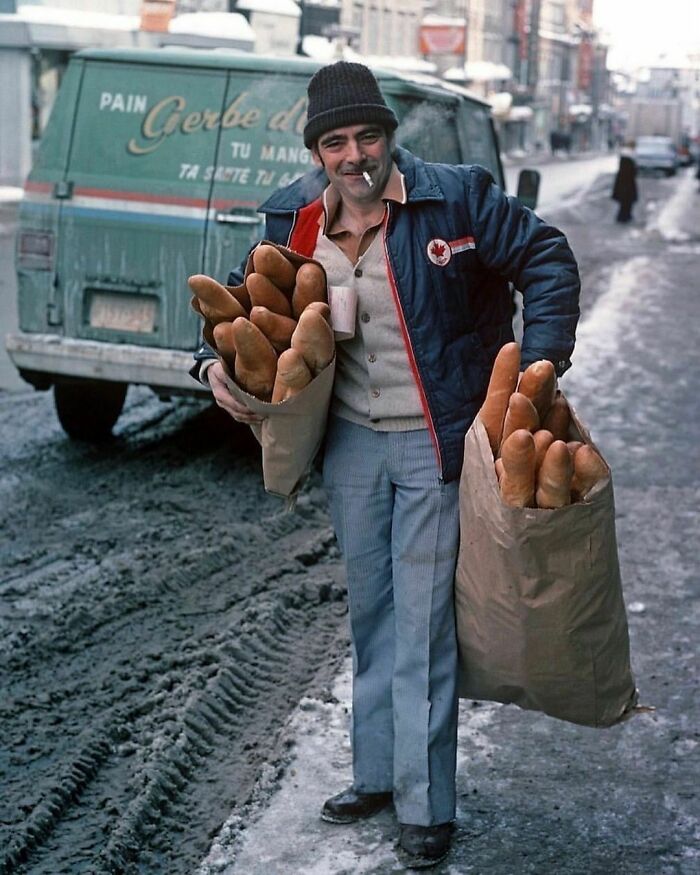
(274, 7)
(226, 25)
(321, 49)
(404, 63)
(478, 71)
(441, 21)
(76, 18)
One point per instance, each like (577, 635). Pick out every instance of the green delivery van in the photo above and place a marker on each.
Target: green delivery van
(151, 169)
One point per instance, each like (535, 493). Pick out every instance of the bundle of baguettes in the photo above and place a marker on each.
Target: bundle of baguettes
(272, 334)
(538, 459)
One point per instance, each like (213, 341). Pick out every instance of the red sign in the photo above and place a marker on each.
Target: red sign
(441, 39)
(520, 27)
(585, 65)
(156, 15)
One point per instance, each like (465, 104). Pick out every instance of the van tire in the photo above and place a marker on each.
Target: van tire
(88, 409)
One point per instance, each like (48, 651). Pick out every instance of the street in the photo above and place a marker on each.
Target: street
(174, 650)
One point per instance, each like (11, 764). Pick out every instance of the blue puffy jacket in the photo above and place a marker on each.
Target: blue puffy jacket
(451, 251)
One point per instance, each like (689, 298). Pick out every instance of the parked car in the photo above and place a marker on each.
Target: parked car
(656, 153)
(151, 169)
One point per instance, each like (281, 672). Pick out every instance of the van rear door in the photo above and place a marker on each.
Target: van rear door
(132, 227)
(40, 301)
(261, 149)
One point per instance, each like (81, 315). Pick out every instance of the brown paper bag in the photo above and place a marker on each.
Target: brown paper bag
(293, 430)
(541, 621)
(292, 433)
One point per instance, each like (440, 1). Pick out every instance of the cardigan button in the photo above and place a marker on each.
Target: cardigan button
(376, 393)
(358, 272)
(365, 317)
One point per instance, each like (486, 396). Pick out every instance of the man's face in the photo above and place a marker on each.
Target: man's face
(345, 153)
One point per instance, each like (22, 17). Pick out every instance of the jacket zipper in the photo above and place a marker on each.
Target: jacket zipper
(407, 343)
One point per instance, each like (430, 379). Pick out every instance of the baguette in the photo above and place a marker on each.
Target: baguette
(240, 293)
(558, 418)
(310, 285)
(264, 293)
(255, 366)
(225, 346)
(498, 465)
(517, 483)
(293, 375)
(278, 329)
(207, 327)
(589, 468)
(554, 477)
(313, 338)
(538, 383)
(269, 261)
(504, 378)
(215, 302)
(543, 440)
(521, 413)
(322, 308)
(574, 447)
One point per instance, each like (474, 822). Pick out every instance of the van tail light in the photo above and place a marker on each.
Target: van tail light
(35, 249)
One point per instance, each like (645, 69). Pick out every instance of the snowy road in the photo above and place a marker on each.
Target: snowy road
(563, 180)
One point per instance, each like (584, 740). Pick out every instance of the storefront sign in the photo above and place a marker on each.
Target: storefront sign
(156, 15)
(441, 39)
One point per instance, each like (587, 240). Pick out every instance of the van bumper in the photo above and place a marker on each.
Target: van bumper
(118, 362)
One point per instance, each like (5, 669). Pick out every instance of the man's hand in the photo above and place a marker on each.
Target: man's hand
(225, 400)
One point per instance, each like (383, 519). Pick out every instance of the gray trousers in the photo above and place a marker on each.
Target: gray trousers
(398, 528)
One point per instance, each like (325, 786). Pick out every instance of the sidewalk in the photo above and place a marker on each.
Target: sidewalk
(536, 795)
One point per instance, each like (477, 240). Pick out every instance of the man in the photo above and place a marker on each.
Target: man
(429, 250)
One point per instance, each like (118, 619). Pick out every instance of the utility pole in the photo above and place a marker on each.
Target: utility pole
(533, 46)
(466, 33)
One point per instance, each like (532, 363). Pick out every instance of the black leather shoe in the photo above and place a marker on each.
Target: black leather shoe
(421, 847)
(349, 806)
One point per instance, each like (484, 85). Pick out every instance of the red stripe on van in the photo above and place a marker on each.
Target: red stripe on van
(144, 197)
(111, 194)
(41, 187)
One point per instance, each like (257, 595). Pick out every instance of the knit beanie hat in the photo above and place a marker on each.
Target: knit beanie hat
(344, 94)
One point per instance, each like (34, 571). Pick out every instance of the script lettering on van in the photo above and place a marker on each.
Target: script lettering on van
(244, 175)
(171, 115)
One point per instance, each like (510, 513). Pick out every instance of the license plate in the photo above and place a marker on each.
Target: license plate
(123, 312)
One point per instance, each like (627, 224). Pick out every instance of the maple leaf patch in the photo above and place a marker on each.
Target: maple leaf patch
(439, 252)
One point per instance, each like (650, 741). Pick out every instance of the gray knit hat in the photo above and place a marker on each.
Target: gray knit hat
(343, 94)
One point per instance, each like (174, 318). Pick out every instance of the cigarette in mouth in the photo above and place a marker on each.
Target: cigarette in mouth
(368, 179)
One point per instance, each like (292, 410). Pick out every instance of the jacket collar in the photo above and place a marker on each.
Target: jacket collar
(421, 185)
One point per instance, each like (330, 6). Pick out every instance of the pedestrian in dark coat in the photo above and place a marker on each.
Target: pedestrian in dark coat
(625, 187)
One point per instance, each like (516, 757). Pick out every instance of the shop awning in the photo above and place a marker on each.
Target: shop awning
(580, 109)
(519, 114)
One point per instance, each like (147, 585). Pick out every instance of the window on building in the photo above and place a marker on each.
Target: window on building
(357, 11)
(373, 31)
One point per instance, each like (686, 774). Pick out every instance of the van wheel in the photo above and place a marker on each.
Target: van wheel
(87, 409)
